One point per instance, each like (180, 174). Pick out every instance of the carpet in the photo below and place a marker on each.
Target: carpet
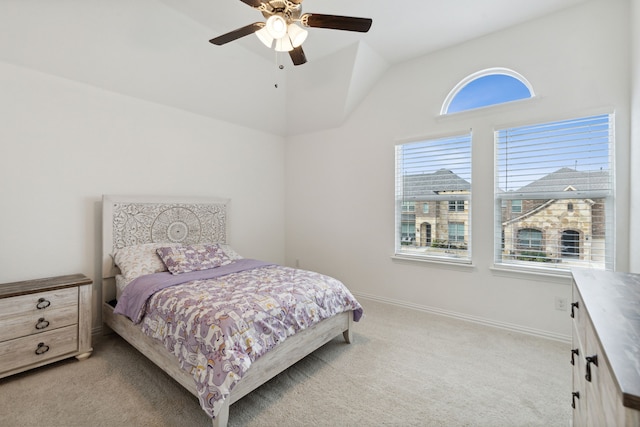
(404, 368)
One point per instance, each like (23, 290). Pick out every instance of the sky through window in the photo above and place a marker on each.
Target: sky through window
(488, 90)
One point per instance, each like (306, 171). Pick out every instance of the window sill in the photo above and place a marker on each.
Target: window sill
(454, 264)
(559, 276)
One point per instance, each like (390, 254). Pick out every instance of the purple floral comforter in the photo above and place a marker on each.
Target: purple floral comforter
(217, 327)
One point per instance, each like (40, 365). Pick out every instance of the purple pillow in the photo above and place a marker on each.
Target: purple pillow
(183, 259)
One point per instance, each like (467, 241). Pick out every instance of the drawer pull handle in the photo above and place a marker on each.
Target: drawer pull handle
(590, 359)
(574, 305)
(574, 352)
(42, 323)
(42, 348)
(43, 303)
(576, 395)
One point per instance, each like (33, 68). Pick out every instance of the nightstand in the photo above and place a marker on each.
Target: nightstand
(43, 321)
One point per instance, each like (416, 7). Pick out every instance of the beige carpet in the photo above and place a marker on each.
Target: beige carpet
(405, 368)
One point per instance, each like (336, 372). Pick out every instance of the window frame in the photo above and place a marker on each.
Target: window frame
(444, 110)
(448, 253)
(607, 204)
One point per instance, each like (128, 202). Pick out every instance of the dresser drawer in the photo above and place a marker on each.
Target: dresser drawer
(42, 302)
(35, 313)
(36, 323)
(37, 348)
(579, 315)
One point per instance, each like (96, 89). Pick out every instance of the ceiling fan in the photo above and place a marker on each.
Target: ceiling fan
(281, 32)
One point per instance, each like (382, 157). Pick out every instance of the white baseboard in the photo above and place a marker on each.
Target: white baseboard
(468, 318)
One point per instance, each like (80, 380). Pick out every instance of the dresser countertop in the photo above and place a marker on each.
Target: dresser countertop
(612, 301)
(26, 287)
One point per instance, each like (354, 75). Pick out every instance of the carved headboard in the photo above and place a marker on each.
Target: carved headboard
(130, 220)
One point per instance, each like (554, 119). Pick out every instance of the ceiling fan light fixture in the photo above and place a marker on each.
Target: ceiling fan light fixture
(284, 45)
(297, 35)
(265, 37)
(276, 26)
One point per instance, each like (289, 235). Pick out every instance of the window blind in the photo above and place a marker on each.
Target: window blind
(554, 194)
(431, 176)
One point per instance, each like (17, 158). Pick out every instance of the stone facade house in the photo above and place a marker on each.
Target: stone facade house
(559, 217)
(436, 210)
(570, 226)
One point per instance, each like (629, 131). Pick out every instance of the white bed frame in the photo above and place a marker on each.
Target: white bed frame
(130, 220)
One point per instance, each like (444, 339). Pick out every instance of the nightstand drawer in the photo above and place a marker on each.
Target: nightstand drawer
(42, 302)
(35, 323)
(36, 348)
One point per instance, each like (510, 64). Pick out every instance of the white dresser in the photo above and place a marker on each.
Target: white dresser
(43, 321)
(606, 348)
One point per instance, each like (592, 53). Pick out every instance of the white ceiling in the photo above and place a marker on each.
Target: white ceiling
(158, 50)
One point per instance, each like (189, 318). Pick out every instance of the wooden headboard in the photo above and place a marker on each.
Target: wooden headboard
(131, 220)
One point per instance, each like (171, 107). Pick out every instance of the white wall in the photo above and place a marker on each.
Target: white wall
(634, 248)
(65, 144)
(340, 182)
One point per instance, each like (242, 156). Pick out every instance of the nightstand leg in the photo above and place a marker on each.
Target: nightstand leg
(84, 356)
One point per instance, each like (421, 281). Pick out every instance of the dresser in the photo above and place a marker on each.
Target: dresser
(605, 353)
(43, 321)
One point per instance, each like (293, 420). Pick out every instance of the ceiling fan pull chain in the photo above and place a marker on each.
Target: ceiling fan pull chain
(279, 66)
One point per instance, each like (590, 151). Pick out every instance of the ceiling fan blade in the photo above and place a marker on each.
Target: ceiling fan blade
(252, 3)
(297, 56)
(236, 34)
(336, 22)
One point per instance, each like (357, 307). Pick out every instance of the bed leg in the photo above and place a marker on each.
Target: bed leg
(223, 416)
(348, 336)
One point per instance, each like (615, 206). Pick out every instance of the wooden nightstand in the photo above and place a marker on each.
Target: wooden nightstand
(43, 321)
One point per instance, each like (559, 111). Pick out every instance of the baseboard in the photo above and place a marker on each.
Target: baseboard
(97, 332)
(474, 319)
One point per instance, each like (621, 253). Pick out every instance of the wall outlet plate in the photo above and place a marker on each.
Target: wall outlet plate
(561, 304)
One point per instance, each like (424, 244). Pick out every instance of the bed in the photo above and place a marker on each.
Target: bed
(220, 324)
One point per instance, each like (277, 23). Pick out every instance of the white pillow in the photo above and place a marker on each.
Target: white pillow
(138, 260)
(233, 255)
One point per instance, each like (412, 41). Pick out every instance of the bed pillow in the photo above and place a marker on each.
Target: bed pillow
(138, 260)
(231, 253)
(183, 259)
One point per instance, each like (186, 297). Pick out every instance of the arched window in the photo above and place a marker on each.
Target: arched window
(487, 87)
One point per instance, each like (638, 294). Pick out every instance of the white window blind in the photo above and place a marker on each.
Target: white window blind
(434, 175)
(554, 194)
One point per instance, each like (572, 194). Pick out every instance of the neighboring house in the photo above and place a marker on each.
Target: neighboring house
(562, 228)
(427, 219)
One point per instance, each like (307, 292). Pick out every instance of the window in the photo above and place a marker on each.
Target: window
(516, 206)
(456, 205)
(561, 174)
(487, 87)
(408, 206)
(437, 174)
(456, 232)
(408, 229)
(529, 239)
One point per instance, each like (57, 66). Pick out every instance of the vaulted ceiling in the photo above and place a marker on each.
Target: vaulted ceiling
(158, 50)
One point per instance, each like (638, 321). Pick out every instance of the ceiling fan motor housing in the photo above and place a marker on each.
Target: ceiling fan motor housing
(289, 10)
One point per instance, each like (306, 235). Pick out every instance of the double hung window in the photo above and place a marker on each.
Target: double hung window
(554, 194)
(434, 174)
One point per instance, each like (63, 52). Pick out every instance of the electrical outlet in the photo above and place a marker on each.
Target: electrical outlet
(561, 304)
